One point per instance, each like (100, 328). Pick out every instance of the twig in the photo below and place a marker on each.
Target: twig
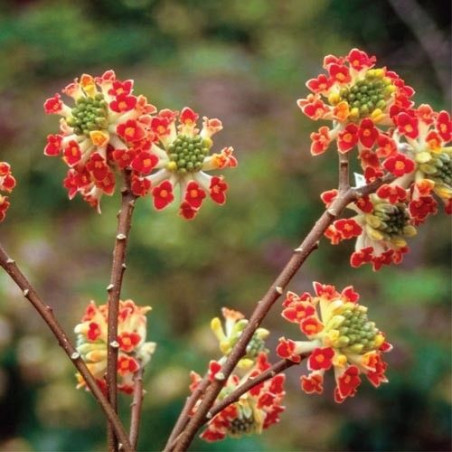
(184, 416)
(299, 256)
(135, 418)
(47, 315)
(114, 293)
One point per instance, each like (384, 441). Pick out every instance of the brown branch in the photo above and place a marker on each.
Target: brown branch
(184, 416)
(47, 315)
(344, 176)
(299, 256)
(114, 293)
(136, 404)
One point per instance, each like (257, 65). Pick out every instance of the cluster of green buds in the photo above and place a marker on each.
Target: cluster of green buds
(89, 114)
(389, 221)
(187, 153)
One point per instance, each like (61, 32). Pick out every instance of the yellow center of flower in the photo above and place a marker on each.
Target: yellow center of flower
(367, 95)
(187, 154)
(89, 114)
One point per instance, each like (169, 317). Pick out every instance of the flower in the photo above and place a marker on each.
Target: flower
(354, 89)
(7, 184)
(110, 128)
(340, 336)
(183, 159)
(381, 225)
(106, 116)
(228, 336)
(256, 410)
(134, 351)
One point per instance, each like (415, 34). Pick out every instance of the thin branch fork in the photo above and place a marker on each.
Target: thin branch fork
(299, 256)
(114, 293)
(47, 315)
(184, 416)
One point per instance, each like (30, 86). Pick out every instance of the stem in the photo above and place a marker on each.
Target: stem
(138, 395)
(47, 315)
(299, 256)
(114, 293)
(235, 395)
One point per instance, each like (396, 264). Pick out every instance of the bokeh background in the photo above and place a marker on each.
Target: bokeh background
(245, 62)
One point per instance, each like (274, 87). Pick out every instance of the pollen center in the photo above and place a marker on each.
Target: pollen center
(242, 424)
(187, 154)
(89, 113)
(368, 94)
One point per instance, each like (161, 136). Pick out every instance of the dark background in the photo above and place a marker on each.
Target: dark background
(246, 63)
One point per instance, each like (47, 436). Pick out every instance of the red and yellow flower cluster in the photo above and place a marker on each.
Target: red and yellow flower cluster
(371, 111)
(7, 184)
(340, 337)
(256, 409)
(134, 351)
(110, 128)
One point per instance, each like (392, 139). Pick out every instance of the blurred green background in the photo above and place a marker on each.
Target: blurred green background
(245, 62)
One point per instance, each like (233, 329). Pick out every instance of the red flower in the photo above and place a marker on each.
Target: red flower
(131, 131)
(320, 141)
(128, 341)
(399, 165)
(312, 383)
(368, 133)
(339, 73)
(444, 126)
(218, 189)
(348, 228)
(194, 194)
(320, 84)
(393, 193)
(407, 125)
(347, 138)
(286, 350)
(348, 383)
(359, 60)
(144, 162)
(321, 359)
(123, 103)
(163, 195)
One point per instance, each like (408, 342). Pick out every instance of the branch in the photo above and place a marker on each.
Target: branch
(47, 315)
(114, 293)
(135, 418)
(299, 256)
(184, 416)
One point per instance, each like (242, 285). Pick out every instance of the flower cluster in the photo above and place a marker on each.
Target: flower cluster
(340, 337)
(7, 183)
(372, 111)
(256, 410)
(259, 407)
(381, 225)
(109, 128)
(134, 352)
